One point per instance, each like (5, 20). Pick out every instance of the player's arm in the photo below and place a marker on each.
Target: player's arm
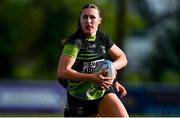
(66, 62)
(65, 70)
(120, 88)
(118, 56)
(120, 61)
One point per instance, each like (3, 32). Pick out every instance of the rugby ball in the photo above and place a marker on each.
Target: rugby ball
(107, 66)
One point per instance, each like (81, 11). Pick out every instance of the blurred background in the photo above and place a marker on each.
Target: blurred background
(31, 32)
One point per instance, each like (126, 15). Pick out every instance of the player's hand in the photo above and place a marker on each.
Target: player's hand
(118, 87)
(102, 81)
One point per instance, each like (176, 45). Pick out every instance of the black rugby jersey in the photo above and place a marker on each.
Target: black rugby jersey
(90, 50)
(88, 56)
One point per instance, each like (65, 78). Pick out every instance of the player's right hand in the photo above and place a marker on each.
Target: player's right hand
(102, 80)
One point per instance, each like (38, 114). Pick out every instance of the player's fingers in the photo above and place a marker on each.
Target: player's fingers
(104, 85)
(116, 87)
(108, 78)
(101, 72)
(101, 86)
(123, 93)
(107, 83)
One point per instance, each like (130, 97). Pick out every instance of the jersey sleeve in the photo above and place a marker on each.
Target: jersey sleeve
(106, 39)
(109, 42)
(72, 47)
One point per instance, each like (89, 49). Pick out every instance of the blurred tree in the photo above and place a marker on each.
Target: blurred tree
(31, 33)
(120, 28)
(121, 21)
(165, 57)
(5, 66)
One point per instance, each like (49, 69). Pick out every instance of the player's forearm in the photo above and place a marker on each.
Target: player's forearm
(118, 56)
(120, 62)
(75, 76)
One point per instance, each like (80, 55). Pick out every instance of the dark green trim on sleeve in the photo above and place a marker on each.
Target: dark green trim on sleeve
(71, 50)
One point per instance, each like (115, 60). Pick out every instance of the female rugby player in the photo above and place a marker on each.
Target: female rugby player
(83, 50)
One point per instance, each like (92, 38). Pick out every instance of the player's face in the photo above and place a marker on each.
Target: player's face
(90, 21)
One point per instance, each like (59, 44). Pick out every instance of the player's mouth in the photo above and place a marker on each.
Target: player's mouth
(89, 27)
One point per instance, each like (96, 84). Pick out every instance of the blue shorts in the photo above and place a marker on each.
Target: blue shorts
(78, 107)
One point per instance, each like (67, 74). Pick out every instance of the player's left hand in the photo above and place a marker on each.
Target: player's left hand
(118, 87)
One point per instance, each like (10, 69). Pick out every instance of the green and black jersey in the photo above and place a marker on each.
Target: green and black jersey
(88, 52)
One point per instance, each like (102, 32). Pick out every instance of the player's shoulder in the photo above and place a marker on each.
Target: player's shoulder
(102, 35)
(75, 38)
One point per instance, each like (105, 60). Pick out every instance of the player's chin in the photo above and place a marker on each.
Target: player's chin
(89, 32)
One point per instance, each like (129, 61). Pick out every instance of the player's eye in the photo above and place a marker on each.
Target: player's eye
(85, 17)
(92, 17)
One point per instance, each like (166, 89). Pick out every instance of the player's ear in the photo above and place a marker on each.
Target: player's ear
(100, 19)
